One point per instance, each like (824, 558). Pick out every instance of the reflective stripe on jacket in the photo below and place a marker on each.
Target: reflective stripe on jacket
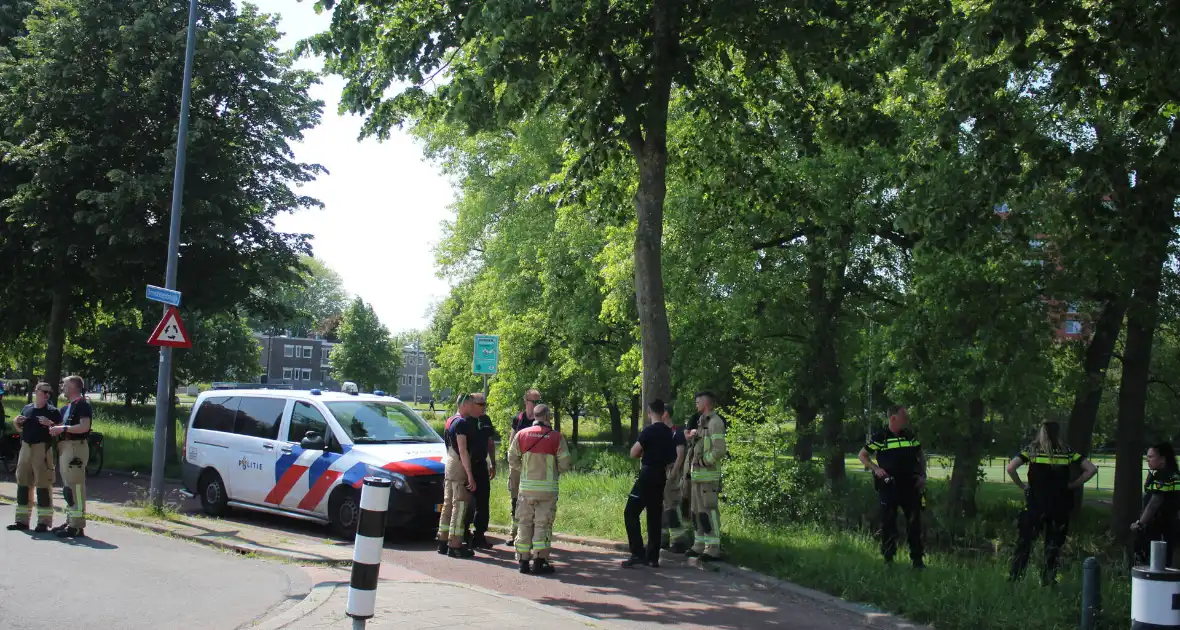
(708, 448)
(539, 455)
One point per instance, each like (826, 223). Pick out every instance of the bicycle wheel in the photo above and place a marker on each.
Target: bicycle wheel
(94, 463)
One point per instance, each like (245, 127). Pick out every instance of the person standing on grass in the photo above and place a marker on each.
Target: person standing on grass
(1049, 497)
(706, 455)
(522, 421)
(34, 465)
(73, 454)
(656, 451)
(539, 455)
(458, 481)
(677, 503)
(899, 476)
(1161, 502)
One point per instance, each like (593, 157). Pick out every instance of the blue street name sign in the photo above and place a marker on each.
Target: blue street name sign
(165, 296)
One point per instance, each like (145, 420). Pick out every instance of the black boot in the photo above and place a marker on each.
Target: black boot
(542, 567)
(442, 548)
(460, 552)
(524, 567)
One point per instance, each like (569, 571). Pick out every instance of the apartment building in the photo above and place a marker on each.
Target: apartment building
(1068, 321)
(297, 362)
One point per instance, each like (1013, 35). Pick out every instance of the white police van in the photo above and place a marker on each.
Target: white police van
(305, 454)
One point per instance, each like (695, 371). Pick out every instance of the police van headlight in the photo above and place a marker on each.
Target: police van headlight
(398, 480)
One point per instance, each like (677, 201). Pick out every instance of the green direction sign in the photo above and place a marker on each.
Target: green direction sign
(486, 357)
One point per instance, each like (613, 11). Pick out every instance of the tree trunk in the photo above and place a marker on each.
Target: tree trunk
(55, 337)
(804, 429)
(30, 378)
(574, 414)
(1088, 397)
(649, 282)
(635, 407)
(648, 141)
(1142, 315)
(557, 417)
(616, 420)
(968, 454)
(819, 372)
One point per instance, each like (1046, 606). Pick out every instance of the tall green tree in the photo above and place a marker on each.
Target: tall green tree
(366, 354)
(92, 95)
(606, 71)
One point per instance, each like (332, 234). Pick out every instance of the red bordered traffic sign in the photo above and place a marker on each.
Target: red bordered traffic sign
(170, 331)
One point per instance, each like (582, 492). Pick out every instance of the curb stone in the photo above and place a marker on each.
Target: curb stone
(866, 611)
(320, 593)
(224, 545)
(146, 475)
(323, 591)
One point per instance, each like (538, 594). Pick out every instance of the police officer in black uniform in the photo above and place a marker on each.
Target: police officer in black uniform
(900, 478)
(657, 451)
(483, 468)
(1161, 501)
(1049, 496)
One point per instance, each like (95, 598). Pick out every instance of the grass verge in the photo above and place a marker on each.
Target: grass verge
(960, 591)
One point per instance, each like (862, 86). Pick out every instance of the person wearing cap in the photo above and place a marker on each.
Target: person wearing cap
(34, 466)
(656, 451)
(540, 455)
(522, 421)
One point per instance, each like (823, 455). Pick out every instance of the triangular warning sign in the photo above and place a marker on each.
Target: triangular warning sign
(170, 331)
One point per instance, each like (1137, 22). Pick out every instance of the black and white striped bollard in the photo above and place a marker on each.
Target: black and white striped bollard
(366, 551)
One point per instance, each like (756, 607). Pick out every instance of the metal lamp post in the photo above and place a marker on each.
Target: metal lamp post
(164, 386)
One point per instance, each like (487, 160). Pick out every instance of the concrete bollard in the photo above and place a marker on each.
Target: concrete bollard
(366, 551)
(1155, 592)
(1091, 594)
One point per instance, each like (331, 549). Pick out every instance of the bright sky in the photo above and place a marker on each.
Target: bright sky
(383, 201)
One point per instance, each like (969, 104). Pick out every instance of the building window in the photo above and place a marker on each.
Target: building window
(287, 373)
(307, 374)
(289, 351)
(419, 380)
(307, 352)
(422, 359)
(1073, 327)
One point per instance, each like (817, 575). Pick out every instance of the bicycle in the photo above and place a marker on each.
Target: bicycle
(94, 462)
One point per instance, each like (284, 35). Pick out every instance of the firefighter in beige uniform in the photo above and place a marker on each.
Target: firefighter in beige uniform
(539, 455)
(522, 421)
(459, 483)
(708, 450)
(34, 466)
(73, 453)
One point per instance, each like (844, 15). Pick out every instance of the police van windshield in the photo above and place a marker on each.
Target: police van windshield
(374, 422)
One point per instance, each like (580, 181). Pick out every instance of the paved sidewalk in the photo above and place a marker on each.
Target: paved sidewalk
(589, 583)
(120, 500)
(408, 600)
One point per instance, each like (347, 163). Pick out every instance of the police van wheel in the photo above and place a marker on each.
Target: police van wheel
(214, 499)
(344, 511)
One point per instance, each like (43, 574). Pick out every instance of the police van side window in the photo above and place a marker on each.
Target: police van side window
(217, 414)
(259, 417)
(306, 418)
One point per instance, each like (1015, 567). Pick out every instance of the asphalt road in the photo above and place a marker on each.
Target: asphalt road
(122, 578)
